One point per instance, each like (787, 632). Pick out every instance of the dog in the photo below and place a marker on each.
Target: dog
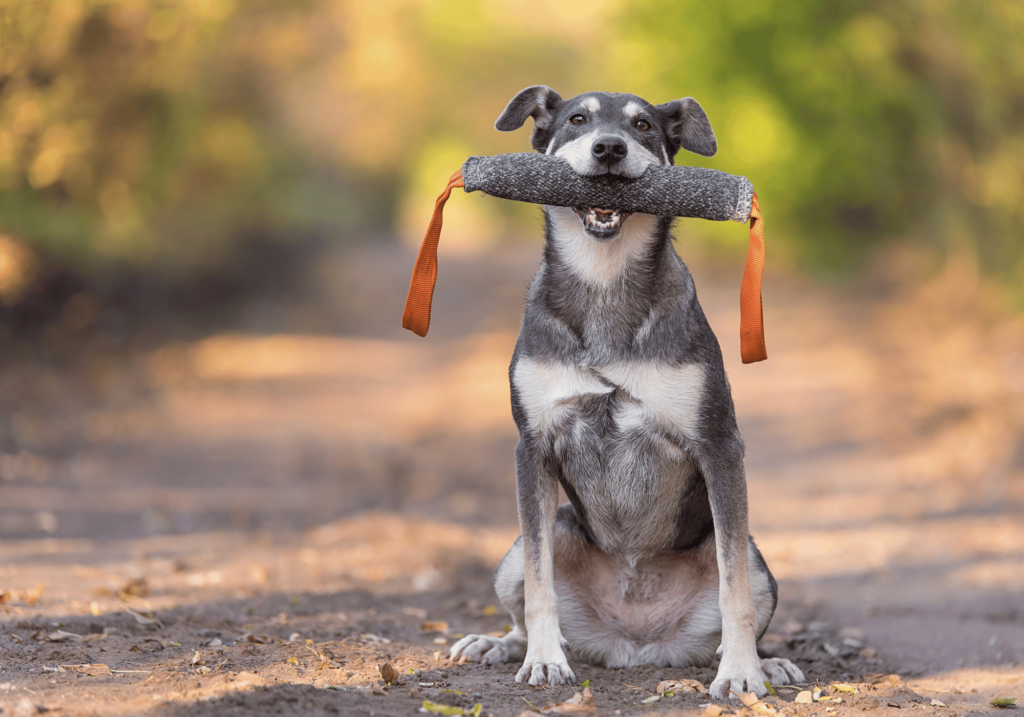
(620, 396)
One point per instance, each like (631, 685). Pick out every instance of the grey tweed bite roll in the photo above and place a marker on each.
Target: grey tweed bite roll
(662, 190)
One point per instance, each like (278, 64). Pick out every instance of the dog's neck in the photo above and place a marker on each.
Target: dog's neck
(605, 292)
(601, 265)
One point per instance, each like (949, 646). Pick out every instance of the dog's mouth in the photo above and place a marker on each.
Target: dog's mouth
(602, 224)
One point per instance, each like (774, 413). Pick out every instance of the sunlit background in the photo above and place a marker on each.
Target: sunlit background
(208, 215)
(161, 138)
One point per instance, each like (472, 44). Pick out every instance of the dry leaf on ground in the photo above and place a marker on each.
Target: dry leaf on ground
(435, 626)
(749, 699)
(579, 702)
(388, 673)
(134, 588)
(450, 710)
(680, 686)
(91, 669)
(31, 597)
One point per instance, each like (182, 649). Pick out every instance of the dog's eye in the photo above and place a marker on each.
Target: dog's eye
(578, 119)
(642, 125)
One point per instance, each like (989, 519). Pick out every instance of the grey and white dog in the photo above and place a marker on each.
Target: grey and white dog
(620, 396)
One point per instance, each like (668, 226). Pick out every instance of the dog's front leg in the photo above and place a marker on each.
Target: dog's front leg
(739, 668)
(538, 503)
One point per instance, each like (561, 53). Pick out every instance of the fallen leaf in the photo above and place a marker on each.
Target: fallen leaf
(768, 686)
(804, 697)
(936, 703)
(843, 687)
(490, 610)
(141, 617)
(92, 669)
(293, 660)
(435, 626)
(680, 686)
(61, 636)
(579, 702)
(134, 588)
(388, 673)
(747, 698)
(31, 597)
(450, 710)
(204, 670)
(197, 659)
(654, 699)
(1003, 702)
(764, 709)
(713, 710)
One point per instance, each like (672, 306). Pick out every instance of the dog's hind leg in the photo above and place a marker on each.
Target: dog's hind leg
(508, 584)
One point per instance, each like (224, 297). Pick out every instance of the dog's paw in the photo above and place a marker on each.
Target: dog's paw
(484, 649)
(738, 677)
(780, 671)
(551, 670)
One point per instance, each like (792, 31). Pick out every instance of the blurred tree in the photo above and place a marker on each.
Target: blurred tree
(858, 122)
(158, 132)
(143, 132)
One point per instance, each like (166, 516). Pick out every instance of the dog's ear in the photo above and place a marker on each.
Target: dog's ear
(540, 102)
(688, 127)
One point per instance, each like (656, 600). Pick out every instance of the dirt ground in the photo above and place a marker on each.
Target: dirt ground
(253, 520)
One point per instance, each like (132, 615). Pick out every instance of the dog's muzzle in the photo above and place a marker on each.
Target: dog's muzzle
(602, 224)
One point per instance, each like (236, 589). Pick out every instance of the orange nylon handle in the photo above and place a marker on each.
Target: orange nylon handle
(752, 346)
(416, 316)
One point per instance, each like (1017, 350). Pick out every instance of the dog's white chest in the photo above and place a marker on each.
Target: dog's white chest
(650, 394)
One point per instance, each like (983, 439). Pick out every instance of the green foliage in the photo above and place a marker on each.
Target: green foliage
(138, 131)
(158, 132)
(857, 122)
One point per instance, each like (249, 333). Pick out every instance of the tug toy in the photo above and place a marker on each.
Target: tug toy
(663, 190)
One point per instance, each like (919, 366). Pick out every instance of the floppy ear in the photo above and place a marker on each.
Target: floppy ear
(541, 103)
(688, 127)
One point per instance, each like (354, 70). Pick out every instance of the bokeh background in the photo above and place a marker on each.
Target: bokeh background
(162, 138)
(209, 211)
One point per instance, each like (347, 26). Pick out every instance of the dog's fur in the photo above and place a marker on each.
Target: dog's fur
(620, 395)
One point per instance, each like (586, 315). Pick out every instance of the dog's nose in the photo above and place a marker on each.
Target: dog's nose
(609, 149)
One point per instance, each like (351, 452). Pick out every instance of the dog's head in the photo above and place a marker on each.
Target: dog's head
(605, 133)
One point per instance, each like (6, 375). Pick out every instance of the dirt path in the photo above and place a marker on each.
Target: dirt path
(184, 520)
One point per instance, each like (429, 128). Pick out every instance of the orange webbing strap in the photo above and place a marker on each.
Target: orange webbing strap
(752, 346)
(416, 317)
